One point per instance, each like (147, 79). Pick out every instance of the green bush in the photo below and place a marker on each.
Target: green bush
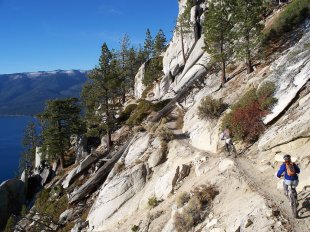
(153, 70)
(135, 228)
(10, 224)
(245, 119)
(295, 13)
(143, 109)
(152, 202)
(125, 114)
(52, 208)
(211, 108)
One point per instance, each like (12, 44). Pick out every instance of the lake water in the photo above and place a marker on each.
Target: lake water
(11, 134)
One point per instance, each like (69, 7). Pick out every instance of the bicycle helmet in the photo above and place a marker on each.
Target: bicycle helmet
(287, 157)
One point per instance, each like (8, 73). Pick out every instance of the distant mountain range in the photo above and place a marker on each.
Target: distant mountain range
(26, 93)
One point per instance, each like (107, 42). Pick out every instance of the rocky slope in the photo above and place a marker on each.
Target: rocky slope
(139, 186)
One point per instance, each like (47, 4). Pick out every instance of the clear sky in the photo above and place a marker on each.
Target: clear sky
(44, 35)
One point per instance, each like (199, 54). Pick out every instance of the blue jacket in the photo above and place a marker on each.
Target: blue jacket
(286, 176)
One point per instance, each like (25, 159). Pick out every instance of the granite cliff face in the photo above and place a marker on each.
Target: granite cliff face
(139, 186)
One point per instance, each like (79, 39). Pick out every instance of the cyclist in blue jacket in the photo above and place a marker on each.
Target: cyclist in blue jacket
(290, 171)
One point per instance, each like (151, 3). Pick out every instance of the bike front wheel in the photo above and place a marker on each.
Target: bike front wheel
(294, 205)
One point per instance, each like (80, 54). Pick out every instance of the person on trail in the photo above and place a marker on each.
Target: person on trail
(226, 135)
(290, 170)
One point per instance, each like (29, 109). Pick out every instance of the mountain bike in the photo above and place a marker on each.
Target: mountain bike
(230, 148)
(292, 195)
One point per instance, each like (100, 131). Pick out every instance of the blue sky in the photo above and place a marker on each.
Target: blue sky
(43, 35)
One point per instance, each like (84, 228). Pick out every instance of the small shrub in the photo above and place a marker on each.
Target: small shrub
(211, 108)
(180, 120)
(189, 217)
(183, 222)
(245, 119)
(119, 167)
(124, 115)
(51, 208)
(205, 193)
(182, 198)
(135, 228)
(265, 95)
(291, 16)
(193, 208)
(143, 109)
(10, 224)
(152, 202)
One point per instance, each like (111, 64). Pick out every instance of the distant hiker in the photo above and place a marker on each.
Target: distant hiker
(226, 135)
(290, 171)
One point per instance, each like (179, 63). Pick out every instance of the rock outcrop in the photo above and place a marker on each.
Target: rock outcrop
(12, 197)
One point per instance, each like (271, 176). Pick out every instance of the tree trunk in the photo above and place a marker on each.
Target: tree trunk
(223, 73)
(96, 180)
(248, 62)
(249, 66)
(182, 44)
(109, 139)
(61, 162)
(124, 96)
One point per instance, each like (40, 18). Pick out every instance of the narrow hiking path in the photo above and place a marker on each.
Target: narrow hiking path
(267, 187)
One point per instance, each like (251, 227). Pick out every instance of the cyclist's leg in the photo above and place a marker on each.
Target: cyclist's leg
(285, 188)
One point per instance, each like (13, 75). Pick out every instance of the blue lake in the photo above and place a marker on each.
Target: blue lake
(11, 134)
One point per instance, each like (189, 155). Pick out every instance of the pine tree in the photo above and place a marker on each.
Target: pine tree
(248, 29)
(160, 42)
(184, 25)
(61, 120)
(124, 66)
(100, 95)
(29, 143)
(133, 66)
(218, 32)
(148, 45)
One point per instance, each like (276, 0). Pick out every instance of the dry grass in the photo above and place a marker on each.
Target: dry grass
(119, 167)
(182, 198)
(205, 193)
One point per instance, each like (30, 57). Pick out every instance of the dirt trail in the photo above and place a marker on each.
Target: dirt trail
(267, 187)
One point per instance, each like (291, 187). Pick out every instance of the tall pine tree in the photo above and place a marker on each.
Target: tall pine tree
(160, 42)
(184, 26)
(218, 32)
(100, 95)
(29, 143)
(247, 16)
(148, 45)
(61, 120)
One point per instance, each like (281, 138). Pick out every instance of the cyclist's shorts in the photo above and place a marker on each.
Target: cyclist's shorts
(289, 182)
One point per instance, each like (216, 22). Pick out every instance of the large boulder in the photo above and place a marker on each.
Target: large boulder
(137, 148)
(115, 194)
(12, 197)
(294, 125)
(290, 73)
